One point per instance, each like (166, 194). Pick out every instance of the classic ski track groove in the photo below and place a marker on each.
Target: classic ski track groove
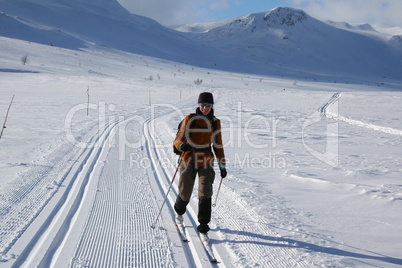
(101, 243)
(120, 219)
(324, 109)
(58, 220)
(20, 207)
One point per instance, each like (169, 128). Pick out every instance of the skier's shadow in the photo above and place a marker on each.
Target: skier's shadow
(291, 243)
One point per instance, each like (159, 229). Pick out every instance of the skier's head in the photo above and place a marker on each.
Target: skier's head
(206, 97)
(206, 102)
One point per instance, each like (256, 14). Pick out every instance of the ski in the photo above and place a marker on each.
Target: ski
(208, 249)
(203, 238)
(182, 231)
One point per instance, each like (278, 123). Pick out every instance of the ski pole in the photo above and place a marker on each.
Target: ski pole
(5, 120)
(216, 198)
(170, 186)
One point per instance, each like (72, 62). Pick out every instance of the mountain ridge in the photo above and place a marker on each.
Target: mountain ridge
(102, 22)
(281, 41)
(290, 38)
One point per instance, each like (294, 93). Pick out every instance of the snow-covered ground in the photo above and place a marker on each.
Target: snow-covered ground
(312, 145)
(314, 167)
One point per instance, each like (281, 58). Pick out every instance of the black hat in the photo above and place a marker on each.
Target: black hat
(206, 97)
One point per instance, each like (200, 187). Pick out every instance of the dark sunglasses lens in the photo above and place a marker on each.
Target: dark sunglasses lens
(206, 104)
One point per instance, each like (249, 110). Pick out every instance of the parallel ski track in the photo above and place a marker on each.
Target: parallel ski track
(40, 248)
(21, 206)
(117, 232)
(324, 109)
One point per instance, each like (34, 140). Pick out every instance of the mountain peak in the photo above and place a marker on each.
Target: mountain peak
(280, 17)
(285, 16)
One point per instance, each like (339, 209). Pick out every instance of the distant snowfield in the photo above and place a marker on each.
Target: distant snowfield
(314, 167)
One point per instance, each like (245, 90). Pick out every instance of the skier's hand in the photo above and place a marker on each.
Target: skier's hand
(223, 172)
(185, 147)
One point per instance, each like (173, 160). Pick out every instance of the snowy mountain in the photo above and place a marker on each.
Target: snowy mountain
(286, 38)
(75, 23)
(345, 25)
(282, 41)
(201, 27)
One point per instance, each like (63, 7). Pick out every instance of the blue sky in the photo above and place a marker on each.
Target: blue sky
(174, 12)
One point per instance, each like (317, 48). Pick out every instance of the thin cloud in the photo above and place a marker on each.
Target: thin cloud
(166, 12)
(174, 12)
(354, 11)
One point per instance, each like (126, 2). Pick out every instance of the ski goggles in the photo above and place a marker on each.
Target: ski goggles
(205, 104)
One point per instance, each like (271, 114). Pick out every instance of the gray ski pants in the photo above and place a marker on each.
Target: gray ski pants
(206, 177)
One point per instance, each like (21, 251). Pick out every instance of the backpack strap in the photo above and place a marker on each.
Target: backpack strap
(214, 124)
(192, 124)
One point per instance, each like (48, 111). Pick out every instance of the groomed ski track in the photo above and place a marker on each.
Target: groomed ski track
(102, 216)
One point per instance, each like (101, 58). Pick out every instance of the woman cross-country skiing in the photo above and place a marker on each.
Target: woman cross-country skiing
(199, 134)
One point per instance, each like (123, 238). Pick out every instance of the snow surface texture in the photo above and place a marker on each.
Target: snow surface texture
(314, 166)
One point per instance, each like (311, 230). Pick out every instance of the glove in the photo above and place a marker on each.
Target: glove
(185, 147)
(223, 172)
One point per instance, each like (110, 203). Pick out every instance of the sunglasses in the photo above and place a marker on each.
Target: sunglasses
(205, 104)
